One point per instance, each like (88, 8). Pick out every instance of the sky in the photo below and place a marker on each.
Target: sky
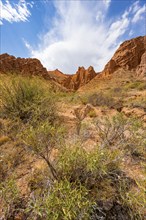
(66, 34)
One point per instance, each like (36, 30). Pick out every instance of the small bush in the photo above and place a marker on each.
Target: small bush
(140, 103)
(62, 201)
(134, 199)
(27, 100)
(10, 199)
(9, 160)
(120, 132)
(39, 180)
(100, 99)
(92, 114)
(88, 168)
(42, 140)
(136, 85)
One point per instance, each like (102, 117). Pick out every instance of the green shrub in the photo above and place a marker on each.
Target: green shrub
(92, 114)
(100, 99)
(87, 168)
(27, 100)
(10, 199)
(42, 140)
(121, 132)
(140, 85)
(39, 180)
(9, 160)
(139, 103)
(134, 199)
(63, 201)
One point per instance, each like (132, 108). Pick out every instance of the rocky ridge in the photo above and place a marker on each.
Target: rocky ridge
(73, 82)
(23, 66)
(131, 55)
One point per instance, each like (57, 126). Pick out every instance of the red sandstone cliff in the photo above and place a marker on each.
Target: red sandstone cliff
(74, 82)
(131, 55)
(23, 66)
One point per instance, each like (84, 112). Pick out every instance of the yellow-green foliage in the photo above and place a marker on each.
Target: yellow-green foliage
(78, 165)
(134, 199)
(137, 103)
(100, 99)
(27, 99)
(10, 198)
(92, 114)
(81, 178)
(9, 160)
(140, 85)
(62, 201)
(42, 140)
(3, 140)
(120, 132)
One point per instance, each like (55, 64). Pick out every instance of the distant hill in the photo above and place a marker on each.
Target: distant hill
(130, 56)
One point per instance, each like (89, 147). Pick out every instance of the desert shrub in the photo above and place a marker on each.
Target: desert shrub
(118, 94)
(100, 172)
(100, 99)
(140, 103)
(27, 99)
(134, 199)
(121, 132)
(140, 85)
(87, 168)
(62, 201)
(42, 140)
(39, 180)
(9, 160)
(10, 199)
(84, 99)
(70, 97)
(92, 114)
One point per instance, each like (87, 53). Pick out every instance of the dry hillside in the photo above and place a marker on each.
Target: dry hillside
(73, 146)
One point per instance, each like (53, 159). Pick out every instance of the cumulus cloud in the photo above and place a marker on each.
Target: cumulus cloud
(14, 12)
(82, 35)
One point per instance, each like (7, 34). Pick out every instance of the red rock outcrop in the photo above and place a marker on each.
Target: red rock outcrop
(141, 69)
(23, 66)
(33, 67)
(73, 82)
(129, 56)
(58, 76)
(82, 77)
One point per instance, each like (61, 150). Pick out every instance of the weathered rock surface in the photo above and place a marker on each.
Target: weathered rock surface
(82, 77)
(58, 76)
(131, 55)
(33, 67)
(73, 82)
(141, 69)
(139, 112)
(23, 66)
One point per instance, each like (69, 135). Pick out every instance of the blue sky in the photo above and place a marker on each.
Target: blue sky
(67, 34)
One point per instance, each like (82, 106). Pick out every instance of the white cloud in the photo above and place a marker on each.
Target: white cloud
(139, 14)
(131, 33)
(135, 7)
(107, 3)
(14, 12)
(81, 35)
